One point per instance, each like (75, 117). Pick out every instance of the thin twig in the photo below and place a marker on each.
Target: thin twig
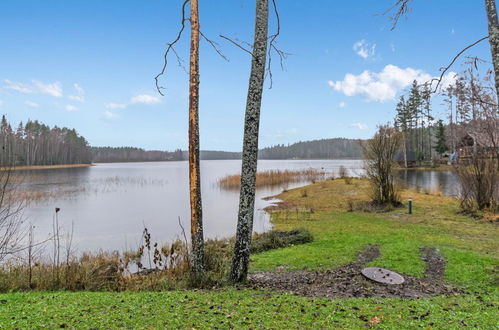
(403, 8)
(272, 46)
(215, 46)
(185, 239)
(170, 47)
(236, 44)
(444, 70)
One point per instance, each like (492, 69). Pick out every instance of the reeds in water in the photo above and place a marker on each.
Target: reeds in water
(272, 178)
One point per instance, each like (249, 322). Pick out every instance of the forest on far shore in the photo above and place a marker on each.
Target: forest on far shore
(35, 143)
(338, 148)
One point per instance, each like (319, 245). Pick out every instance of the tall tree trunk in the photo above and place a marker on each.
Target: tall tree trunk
(197, 258)
(405, 148)
(250, 145)
(490, 6)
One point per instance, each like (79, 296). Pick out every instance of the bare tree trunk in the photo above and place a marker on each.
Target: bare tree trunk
(197, 259)
(241, 255)
(405, 149)
(490, 6)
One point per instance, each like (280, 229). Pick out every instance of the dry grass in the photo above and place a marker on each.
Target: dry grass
(334, 197)
(157, 268)
(274, 178)
(152, 267)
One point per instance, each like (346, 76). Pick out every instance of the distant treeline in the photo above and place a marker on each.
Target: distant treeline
(35, 143)
(212, 155)
(131, 154)
(316, 149)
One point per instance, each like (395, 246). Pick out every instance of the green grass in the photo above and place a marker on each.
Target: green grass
(470, 247)
(239, 309)
(339, 237)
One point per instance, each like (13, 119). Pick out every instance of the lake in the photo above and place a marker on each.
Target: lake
(109, 204)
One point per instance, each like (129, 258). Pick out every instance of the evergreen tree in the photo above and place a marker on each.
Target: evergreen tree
(402, 121)
(441, 145)
(414, 110)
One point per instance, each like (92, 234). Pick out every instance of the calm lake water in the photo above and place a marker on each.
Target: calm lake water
(109, 204)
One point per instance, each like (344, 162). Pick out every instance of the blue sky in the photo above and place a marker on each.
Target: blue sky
(91, 65)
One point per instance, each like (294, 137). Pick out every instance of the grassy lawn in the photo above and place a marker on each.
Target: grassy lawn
(470, 246)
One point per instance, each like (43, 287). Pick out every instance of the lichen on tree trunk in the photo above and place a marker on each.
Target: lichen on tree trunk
(241, 255)
(490, 6)
(197, 256)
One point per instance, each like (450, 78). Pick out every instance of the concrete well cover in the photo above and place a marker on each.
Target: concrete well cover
(382, 275)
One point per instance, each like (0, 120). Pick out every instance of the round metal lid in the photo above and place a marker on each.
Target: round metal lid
(382, 275)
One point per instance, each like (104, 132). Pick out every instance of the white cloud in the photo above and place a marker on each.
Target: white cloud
(145, 99)
(110, 115)
(80, 94)
(37, 87)
(384, 85)
(1, 103)
(17, 86)
(364, 49)
(138, 99)
(53, 89)
(70, 107)
(342, 104)
(115, 106)
(359, 126)
(31, 104)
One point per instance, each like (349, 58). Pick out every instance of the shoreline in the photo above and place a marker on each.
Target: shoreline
(46, 167)
(422, 168)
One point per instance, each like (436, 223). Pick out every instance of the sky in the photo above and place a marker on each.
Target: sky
(90, 65)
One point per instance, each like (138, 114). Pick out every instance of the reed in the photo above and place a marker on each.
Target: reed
(150, 267)
(274, 178)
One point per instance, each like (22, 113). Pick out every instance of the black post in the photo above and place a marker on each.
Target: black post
(410, 205)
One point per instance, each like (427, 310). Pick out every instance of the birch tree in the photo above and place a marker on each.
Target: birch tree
(493, 23)
(241, 255)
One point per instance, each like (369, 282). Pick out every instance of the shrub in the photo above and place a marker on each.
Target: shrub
(479, 183)
(379, 165)
(279, 239)
(343, 173)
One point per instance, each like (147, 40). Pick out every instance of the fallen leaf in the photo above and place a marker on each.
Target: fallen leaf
(375, 320)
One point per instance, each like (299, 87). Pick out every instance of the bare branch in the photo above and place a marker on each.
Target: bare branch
(170, 47)
(401, 8)
(445, 69)
(272, 46)
(215, 46)
(185, 240)
(237, 44)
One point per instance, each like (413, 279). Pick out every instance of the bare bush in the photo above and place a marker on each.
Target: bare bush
(479, 181)
(343, 173)
(11, 206)
(379, 165)
(478, 169)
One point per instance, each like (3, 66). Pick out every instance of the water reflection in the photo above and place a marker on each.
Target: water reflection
(110, 203)
(444, 182)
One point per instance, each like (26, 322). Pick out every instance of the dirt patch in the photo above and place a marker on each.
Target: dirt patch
(435, 263)
(347, 281)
